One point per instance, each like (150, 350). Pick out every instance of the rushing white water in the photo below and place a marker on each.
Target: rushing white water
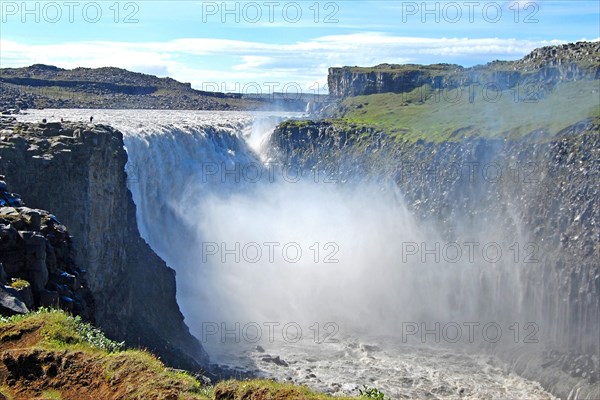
(312, 271)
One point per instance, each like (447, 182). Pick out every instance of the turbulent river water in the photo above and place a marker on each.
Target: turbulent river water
(287, 274)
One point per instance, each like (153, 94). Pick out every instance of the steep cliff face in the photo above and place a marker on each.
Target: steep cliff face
(538, 192)
(355, 81)
(548, 65)
(78, 172)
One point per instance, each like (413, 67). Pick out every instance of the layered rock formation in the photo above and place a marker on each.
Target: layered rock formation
(78, 172)
(547, 65)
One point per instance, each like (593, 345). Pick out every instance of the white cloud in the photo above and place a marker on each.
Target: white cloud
(250, 62)
(201, 60)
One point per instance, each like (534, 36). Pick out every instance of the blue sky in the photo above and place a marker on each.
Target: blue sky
(276, 44)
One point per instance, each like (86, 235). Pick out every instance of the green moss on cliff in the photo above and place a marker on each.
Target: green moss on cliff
(296, 123)
(19, 284)
(265, 389)
(401, 68)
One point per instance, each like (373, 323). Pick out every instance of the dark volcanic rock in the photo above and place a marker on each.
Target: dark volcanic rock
(275, 360)
(80, 176)
(11, 302)
(36, 251)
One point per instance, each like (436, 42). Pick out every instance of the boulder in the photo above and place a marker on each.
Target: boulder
(10, 303)
(275, 360)
(66, 303)
(26, 295)
(8, 211)
(33, 217)
(50, 132)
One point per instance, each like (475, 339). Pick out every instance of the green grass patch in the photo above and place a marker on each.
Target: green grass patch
(141, 372)
(266, 389)
(6, 392)
(296, 123)
(402, 68)
(19, 284)
(60, 330)
(456, 114)
(51, 395)
(128, 366)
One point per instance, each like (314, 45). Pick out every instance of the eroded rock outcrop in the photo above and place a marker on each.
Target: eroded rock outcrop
(78, 171)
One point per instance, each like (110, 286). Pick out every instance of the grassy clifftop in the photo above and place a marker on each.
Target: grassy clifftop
(455, 114)
(50, 355)
(53, 356)
(539, 95)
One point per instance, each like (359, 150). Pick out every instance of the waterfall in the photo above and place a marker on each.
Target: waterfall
(257, 241)
(265, 248)
(252, 241)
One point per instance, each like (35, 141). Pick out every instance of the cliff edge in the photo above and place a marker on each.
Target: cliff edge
(78, 171)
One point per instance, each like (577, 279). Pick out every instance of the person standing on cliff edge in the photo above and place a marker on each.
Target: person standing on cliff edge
(91, 119)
